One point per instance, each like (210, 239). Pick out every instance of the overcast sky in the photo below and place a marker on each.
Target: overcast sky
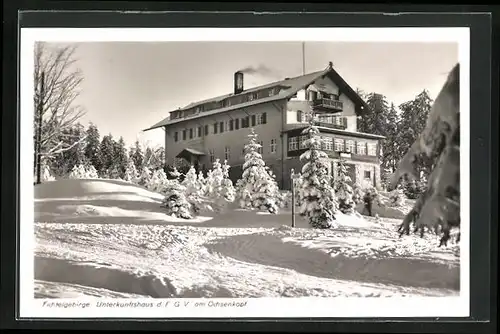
(131, 86)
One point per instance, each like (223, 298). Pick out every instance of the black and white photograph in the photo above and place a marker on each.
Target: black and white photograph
(244, 172)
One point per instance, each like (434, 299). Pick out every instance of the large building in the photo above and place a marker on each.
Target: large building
(217, 128)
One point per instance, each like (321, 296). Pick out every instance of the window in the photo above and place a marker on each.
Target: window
(372, 149)
(260, 149)
(227, 153)
(293, 143)
(299, 116)
(191, 133)
(206, 130)
(328, 142)
(176, 136)
(259, 119)
(307, 95)
(199, 131)
(264, 118)
(215, 127)
(273, 146)
(271, 92)
(368, 174)
(221, 127)
(350, 146)
(231, 125)
(253, 120)
(361, 148)
(237, 124)
(212, 155)
(184, 133)
(339, 145)
(303, 141)
(246, 122)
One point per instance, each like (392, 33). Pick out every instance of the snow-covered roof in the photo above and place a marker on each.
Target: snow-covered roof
(290, 86)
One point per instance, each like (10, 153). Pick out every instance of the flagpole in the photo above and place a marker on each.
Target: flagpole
(303, 58)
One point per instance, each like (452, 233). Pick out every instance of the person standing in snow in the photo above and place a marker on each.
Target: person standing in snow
(369, 197)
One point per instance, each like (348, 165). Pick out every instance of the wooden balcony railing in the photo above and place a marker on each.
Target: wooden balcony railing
(327, 104)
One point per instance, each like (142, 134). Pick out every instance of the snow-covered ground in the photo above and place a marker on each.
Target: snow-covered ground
(109, 238)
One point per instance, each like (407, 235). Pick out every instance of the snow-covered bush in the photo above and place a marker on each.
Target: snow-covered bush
(396, 197)
(83, 172)
(316, 195)
(343, 189)
(175, 200)
(357, 193)
(257, 188)
(158, 180)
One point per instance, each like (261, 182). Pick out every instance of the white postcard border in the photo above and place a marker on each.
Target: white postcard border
(255, 307)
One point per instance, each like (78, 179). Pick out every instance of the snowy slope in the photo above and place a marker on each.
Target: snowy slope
(111, 238)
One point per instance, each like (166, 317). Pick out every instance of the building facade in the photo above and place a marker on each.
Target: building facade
(218, 128)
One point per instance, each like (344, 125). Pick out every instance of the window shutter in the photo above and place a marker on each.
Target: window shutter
(253, 120)
(344, 121)
(264, 118)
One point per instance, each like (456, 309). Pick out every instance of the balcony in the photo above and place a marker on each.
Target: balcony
(327, 105)
(330, 125)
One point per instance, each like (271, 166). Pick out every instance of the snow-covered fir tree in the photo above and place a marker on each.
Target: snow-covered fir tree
(115, 173)
(202, 183)
(357, 193)
(106, 154)
(137, 155)
(194, 192)
(257, 189)
(92, 147)
(175, 200)
(219, 187)
(158, 180)
(145, 177)
(131, 174)
(343, 189)
(438, 207)
(91, 171)
(120, 157)
(316, 195)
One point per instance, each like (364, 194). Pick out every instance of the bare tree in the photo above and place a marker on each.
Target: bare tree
(57, 83)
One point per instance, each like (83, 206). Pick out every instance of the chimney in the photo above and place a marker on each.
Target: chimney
(238, 82)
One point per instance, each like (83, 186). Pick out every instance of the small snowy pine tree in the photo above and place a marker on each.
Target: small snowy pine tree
(343, 189)
(316, 195)
(175, 200)
(219, 189)
(257, 188)
(193, 190)
(145, 177)
(158, 180)
(91, 172)
(131, 174)
(201, 183)
(46, 174)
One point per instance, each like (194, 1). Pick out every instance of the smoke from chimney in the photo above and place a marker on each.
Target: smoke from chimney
(262, 70)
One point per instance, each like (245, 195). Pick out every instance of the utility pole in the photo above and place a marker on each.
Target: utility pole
(39, 129)
(292, 179)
